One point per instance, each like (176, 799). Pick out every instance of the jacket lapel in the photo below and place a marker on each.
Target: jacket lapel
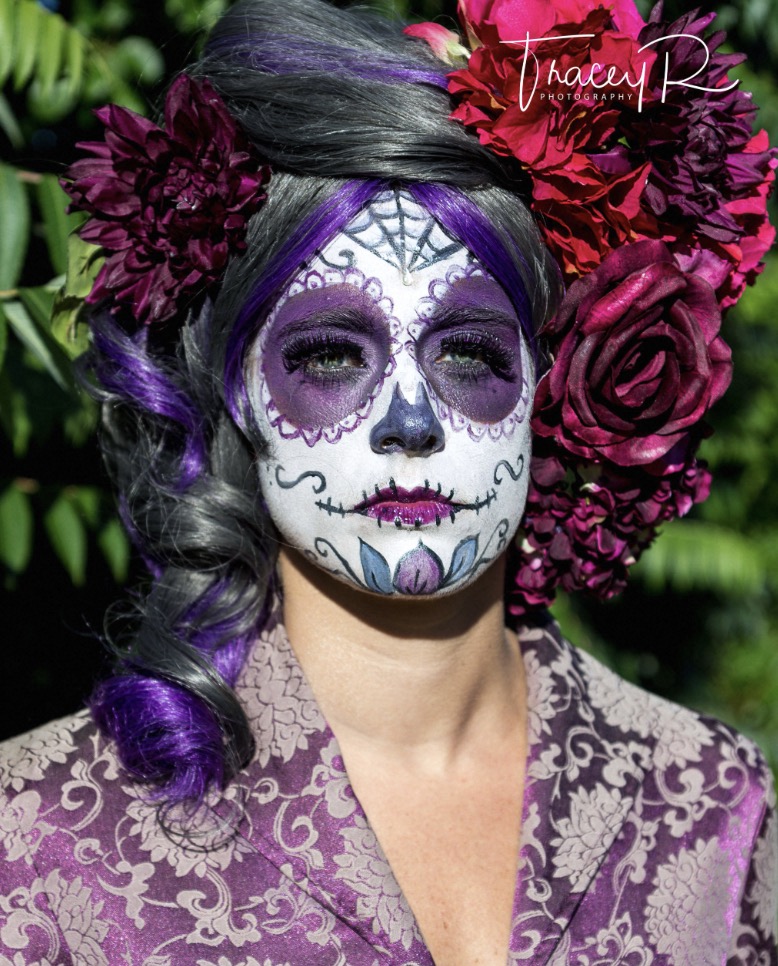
(582, 779)
(302, 814)
(303, 817)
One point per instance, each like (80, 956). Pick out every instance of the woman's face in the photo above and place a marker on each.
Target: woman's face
(394, 388)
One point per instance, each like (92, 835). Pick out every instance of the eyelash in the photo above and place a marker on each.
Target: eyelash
(300, 354)
(494, 355)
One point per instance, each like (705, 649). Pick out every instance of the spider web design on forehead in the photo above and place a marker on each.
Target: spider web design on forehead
(396, 228)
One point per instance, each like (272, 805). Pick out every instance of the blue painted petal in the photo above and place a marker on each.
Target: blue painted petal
(375, 568)
(463, 559)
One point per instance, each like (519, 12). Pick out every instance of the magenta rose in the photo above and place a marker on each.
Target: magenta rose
(638, 359)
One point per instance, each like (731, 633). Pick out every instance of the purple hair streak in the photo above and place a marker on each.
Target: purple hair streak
(299, 55)
(463, 219)
(127, 371)
(326, 221)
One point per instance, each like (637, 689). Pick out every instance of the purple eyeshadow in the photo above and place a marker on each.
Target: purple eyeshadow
(471, 350)
(308, 330)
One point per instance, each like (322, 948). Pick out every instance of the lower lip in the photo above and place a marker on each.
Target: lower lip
(410, 514)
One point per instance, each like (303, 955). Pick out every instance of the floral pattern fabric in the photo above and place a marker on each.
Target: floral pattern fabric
(648, 837)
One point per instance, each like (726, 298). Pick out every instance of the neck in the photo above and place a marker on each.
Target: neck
(424, 680)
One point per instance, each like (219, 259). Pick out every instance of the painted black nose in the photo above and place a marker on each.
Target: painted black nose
(410, 428)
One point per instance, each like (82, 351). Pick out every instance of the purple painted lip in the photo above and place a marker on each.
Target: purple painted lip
(411, 508)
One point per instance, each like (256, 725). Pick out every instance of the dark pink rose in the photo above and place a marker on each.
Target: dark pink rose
(638, 359)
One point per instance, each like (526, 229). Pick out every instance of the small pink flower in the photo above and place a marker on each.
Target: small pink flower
(445, 44)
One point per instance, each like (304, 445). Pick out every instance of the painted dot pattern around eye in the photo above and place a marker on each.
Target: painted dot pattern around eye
(335, 337)
(324, 313)
(479, 321)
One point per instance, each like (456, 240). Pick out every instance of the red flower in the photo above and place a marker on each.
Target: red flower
(637, 359)
(169, 206)
(545, 105)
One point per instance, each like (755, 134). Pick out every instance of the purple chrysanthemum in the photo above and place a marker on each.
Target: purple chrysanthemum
(709, 177)
(169, 206)
(586, 523)
(695, 139)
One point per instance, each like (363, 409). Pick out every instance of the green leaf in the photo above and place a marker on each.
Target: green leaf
(87, 499)
(6, 33)
(84, 263)
(138, 59)
(68, 537)
(14, 416)
(26, 39)
(693, 555)
(67, 327)
(3, 336)
(74, 45)
(8, 122)
(40, 343)
(14, 235)
(16, 528)
(51, 29)
(199, 15)
(48, 107)
(115, 547)
(38, 301)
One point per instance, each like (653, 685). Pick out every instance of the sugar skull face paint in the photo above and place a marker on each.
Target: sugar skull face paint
(394, 387)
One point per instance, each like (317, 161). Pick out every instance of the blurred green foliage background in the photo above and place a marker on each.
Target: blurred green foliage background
(698, 624)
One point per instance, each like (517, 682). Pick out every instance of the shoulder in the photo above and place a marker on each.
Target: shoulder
(51, 771)
(674, 744)
(675, 806)
(45, 753)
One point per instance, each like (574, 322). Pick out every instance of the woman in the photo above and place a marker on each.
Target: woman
(322, 744)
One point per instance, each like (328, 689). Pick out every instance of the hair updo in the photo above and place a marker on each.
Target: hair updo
(342, 105)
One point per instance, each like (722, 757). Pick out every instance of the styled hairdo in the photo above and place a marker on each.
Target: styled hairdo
(341, 105)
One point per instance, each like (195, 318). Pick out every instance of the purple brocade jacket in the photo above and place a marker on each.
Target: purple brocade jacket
(648, 837)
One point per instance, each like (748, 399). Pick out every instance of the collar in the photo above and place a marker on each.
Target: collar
(300, 812)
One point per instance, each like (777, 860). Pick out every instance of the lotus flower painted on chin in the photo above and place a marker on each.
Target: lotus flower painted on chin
(419, 571)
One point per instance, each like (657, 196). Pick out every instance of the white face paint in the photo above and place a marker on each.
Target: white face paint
(394, 387)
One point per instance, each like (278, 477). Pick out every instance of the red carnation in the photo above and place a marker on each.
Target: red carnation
(564, 133)
(168, 206)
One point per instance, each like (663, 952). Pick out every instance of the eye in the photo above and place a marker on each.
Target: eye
(323, 357)
(474, 355)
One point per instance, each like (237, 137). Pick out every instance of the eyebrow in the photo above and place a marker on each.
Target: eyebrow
(346, 318)
(455, 315)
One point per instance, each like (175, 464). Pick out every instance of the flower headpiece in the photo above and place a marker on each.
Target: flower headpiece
(648, 188)
(169, 207)
(650, 191)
